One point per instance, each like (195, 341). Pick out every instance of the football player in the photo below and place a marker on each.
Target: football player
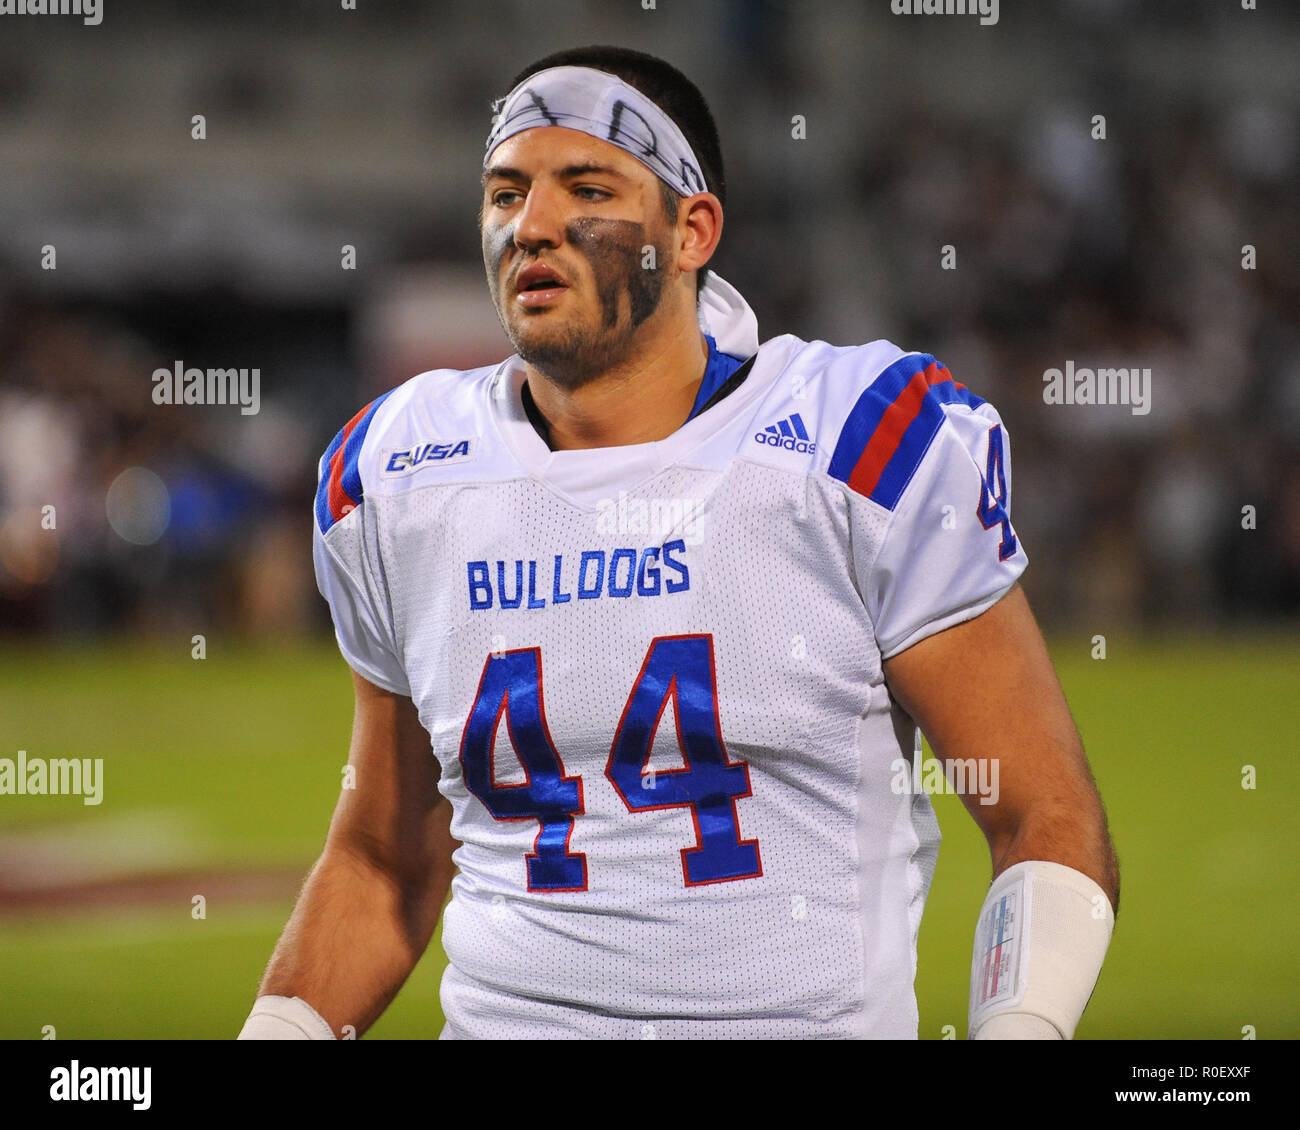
(642, 621)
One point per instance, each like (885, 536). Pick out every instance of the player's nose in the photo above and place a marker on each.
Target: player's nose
(541, 220)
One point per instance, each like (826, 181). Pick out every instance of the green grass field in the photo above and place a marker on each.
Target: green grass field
(235, 761)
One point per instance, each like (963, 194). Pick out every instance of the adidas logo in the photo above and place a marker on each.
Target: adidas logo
(788, 433)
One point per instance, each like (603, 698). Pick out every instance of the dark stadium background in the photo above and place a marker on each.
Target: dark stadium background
(365, 128)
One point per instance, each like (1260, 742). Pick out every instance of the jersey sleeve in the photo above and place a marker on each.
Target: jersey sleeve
(936, 459)
(349, 572)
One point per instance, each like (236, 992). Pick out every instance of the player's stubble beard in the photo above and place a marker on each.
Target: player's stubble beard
(574, 352)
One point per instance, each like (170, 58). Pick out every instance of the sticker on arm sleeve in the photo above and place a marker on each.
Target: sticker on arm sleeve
(1001, 951)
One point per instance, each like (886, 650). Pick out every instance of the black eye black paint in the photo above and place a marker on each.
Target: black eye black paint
(496, 242)
(577, 353)
(614, 249)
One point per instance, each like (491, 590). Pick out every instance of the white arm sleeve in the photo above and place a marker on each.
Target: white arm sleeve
(285, 1018)
(1041, 938)
(946, 555)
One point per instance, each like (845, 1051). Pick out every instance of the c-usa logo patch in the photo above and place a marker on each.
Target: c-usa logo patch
(403, 460)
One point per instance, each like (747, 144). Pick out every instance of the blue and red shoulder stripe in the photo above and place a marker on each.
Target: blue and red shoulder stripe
(892, 425)
(339, 491)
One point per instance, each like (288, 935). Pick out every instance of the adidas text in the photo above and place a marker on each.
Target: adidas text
(789, 433)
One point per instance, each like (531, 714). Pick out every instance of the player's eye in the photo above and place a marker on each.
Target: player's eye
(499, 199)
(595, 193)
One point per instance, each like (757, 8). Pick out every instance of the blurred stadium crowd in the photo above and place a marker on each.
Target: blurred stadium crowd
(328, 129)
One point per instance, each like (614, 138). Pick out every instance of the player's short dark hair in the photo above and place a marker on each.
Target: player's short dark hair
(668, 89)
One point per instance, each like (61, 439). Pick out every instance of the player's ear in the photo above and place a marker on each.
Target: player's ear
(700, 224)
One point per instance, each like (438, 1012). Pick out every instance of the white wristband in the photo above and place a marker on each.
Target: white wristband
(1041, 937)
(285, 1018)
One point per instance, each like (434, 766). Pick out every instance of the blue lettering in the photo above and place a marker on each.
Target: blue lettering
(505, 601)
(479, 583)
(586, 592)
(615, 573)
(642, 572)
(628, 555)
(680, 566)
(533, 602)
(558, 597)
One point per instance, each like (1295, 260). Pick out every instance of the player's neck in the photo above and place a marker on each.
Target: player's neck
(644, 399)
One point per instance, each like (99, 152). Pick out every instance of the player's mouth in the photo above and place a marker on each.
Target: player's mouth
(538, 285)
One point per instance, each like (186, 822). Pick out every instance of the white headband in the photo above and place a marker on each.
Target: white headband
(606, 107)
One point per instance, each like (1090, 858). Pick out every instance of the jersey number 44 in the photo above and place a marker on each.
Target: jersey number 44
(676, 668)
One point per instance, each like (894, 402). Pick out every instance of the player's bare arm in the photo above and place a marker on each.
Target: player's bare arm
(1014, 711)
(1048, 806)
(370, 905)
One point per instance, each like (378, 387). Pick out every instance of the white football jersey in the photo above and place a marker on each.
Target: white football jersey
(652, 677)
